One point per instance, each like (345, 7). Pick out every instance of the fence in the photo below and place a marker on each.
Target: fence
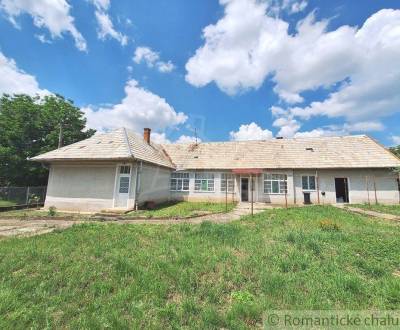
(14, 196)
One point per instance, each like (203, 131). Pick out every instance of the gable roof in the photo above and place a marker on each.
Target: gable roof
(120, 144)
(321, 152)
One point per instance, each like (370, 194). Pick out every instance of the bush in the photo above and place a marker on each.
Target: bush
(329, 225)
(52, 211)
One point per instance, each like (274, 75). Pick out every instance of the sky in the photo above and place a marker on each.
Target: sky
(219, 70)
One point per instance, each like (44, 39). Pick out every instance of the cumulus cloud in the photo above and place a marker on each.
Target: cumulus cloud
(360, 66)
(250, 132)
(105, 25)
(16, 81)
(187, 139)
(139, 108)
(152, 59)
(396, 139)
(52, 15)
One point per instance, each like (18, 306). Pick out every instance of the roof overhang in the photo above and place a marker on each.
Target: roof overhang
(247, 171)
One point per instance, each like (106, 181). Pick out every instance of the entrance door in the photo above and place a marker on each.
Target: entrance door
(342, 190)
(123, 186)
(244, 191)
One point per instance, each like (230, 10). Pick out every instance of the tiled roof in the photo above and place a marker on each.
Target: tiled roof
(120, 144)
(322, 152)
(357, 151)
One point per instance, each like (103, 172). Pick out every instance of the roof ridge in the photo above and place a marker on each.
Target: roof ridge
(127, 142)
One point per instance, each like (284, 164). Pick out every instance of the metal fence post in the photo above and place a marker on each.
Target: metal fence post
(27, 196)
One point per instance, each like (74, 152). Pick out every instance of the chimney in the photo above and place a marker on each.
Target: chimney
(146, 135)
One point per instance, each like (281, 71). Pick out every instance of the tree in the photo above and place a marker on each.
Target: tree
(30, 126)
(395, 150)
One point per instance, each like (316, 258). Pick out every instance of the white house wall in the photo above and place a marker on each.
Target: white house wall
(81, 187)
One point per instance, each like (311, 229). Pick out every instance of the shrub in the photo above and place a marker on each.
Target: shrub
(329, 225)
(52, 211)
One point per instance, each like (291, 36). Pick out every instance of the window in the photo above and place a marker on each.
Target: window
(179, 181)
(204, 182)
(308, 182)
(230, 178)
(123, 184)
(275, 183)
(125, 169)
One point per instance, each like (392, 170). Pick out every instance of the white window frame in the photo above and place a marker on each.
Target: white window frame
(181, 178)
(227, 178)
(280, 178)
(308, 182)
(204, 177)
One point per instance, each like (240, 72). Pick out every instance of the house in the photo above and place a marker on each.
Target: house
(121, 170)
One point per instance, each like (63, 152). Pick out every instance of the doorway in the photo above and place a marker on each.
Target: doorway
(342, 190)
(244, 191)
(124, 180)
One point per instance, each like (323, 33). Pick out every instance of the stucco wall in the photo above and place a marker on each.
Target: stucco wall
(386, 185)
(81, 187)
(153, 183)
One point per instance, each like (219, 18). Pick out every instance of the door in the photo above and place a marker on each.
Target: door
(124, 183)
(244, 189)
(342, 190)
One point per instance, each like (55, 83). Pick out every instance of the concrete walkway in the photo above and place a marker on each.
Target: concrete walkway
(370, 213)
(24, 227)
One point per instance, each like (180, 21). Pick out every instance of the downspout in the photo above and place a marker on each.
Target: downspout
(137, 184)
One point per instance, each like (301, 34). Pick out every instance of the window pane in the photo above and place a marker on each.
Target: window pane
(275, 187)
(304, 182)
(124, 185)
(186, 184)
(311, 180)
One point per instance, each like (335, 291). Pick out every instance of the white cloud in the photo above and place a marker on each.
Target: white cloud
(250, 132)
(288, 126)
(159, 138)
(106, 28)
(361, 65)
(42, 38)
(105, 25)
(53, 15)
(152, 59)
(15, 81)
(139, 108)
(396, 139)
(187, 139)
(318, 132)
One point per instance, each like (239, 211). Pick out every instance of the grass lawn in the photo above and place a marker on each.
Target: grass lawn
(4, 203)
(391, 209)
(182, 209)
(26, 213)
(199, 276)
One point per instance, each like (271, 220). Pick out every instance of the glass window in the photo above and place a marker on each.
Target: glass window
(275, 183)
(125, 169)
(124, 184)
(179, 181)
(230, 178)
(204, 182)
(308, 182)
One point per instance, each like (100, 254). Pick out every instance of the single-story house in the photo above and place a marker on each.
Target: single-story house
(122, 170)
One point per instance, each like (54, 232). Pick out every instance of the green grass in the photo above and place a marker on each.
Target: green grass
(391, 209)
(4, 203)
(182, 209)
(26, 213)
(199, 276)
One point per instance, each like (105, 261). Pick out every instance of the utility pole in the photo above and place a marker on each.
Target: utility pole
(60, 136)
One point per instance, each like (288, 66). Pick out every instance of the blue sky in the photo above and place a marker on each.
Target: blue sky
(232, 69)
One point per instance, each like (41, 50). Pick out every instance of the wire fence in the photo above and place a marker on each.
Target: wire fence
(14, 196)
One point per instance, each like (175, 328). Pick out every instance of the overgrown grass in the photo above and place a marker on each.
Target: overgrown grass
(183, 209)
(4, 203)
(391, 209)
(199, 276)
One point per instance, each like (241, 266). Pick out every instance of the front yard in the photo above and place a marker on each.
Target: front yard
(183, 209)
(199, 276)
(390, 209)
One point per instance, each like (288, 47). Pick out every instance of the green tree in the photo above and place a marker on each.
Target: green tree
(30, 126)
(395, 150)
